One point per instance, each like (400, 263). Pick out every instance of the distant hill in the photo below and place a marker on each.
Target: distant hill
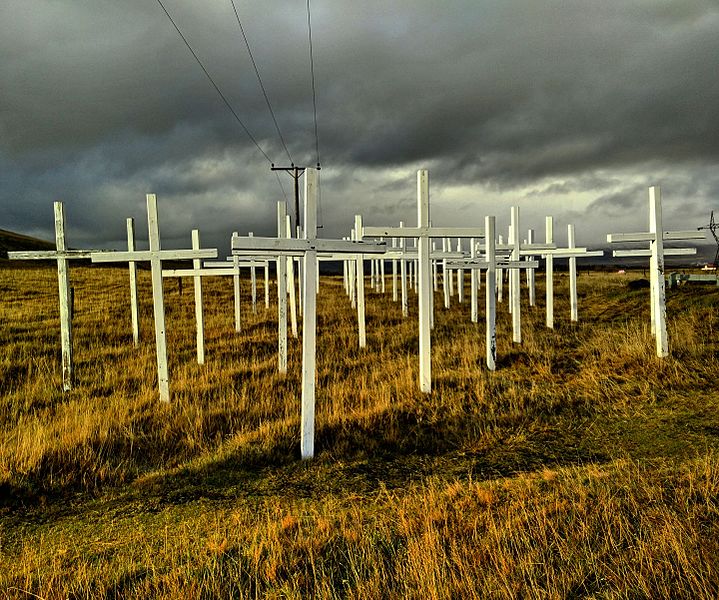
(10, 242)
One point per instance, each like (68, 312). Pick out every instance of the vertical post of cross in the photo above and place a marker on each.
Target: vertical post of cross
(134, 306)
(291, 281)
(63, 280)
(514, 278)
(474, 276)
(281, 292)
(549, 271)
(573, 310)
(530, 272)
(403, 275)
(309, 326)
(657, 271)
(490, 293)
(425, 283)
(158, 304)
(236, 287)
(197, 285)
(360, 286)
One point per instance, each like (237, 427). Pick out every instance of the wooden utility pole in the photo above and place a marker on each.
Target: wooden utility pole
(295, 172)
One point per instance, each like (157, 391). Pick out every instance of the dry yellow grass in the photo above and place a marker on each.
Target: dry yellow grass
(584, 467)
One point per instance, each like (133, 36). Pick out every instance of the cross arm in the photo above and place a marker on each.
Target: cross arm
(148, 255)
(50, 254)
(647, 252)
(647, 236)
(300, 246)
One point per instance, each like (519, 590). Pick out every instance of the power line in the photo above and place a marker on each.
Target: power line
(212, 81)
(259, 79)
(312, 72)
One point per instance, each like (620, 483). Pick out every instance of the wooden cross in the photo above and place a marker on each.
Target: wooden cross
(61, 255)
(155, 255)
(197, 272)
(517, 250)
(491, 263)
(571, 252)
(307, 247)
(422, 233)
(656, 236)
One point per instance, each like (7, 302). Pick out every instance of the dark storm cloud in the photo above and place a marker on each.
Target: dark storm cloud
(101, 102)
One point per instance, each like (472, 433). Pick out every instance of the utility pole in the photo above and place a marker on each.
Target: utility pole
(713, 227)
(295, 172)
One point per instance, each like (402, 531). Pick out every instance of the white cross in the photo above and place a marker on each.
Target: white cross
(155, 255)
(571, 252)
(306, 247)
(402, 254)
(490, 262)
(423, 232)
(61, 255)
(517, 250)
(656, 236)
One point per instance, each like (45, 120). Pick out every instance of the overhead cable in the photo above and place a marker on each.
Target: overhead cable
(312, 73)
(259, 80)
(212, 81)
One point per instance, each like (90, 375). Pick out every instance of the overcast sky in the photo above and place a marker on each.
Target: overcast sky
(564, 107)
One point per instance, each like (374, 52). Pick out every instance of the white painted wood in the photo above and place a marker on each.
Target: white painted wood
(291, 282)
(308, 245)
(353, 277)
(403, 269)
(474, 275)
(395, 296)
(500, 277)
(236, 291)
(61, 254)
(460, 276)
(573, 310)
(199, 315)
(382, 276)
(281, 293)
(656, 263)
(134, 304)
(648, 236)
(450, 275)
(362, 329)
(446, 277)
(531, 289)
(514, 276)
(253, 283)
(63, 280)
(549, 272)
(309, 320)
(425, 290)
(155, 255)
(647, 252)
(490, 294)
(657, 272)
(267, 284)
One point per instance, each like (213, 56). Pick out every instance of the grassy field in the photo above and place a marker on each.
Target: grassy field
(583, 467)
